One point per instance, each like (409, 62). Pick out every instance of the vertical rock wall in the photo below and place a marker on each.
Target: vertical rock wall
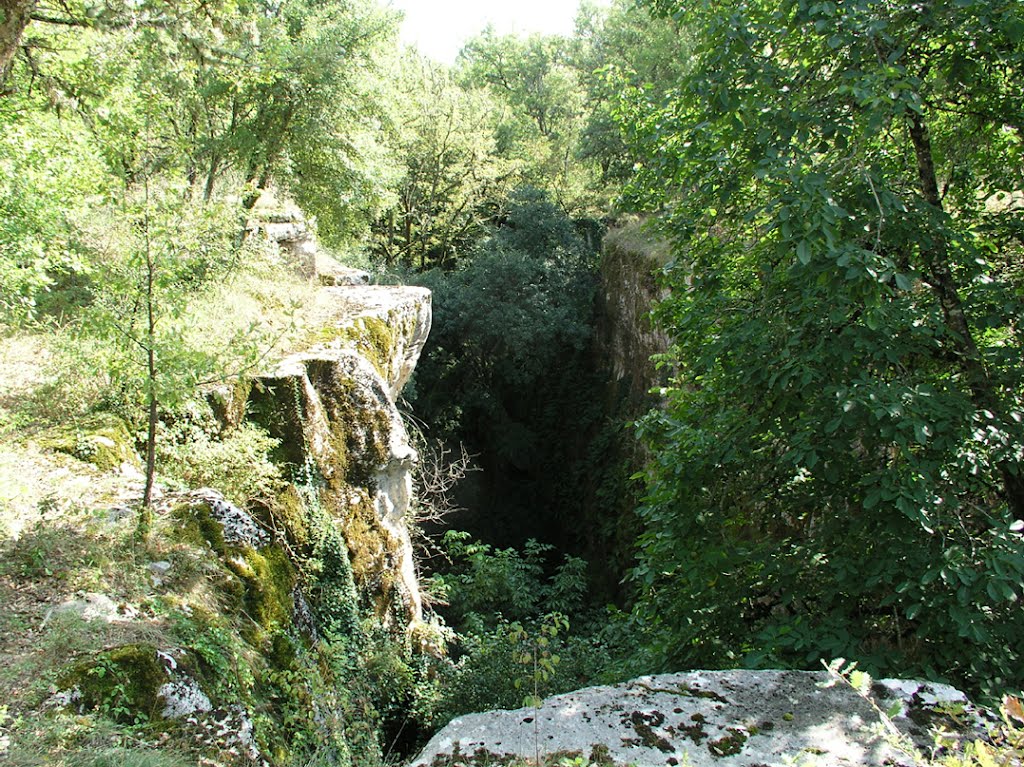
(626, 338)
(332, 407)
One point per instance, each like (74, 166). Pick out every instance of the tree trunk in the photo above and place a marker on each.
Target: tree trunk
(14, 17)
(944, 287)
(151, 369)
(146, 513)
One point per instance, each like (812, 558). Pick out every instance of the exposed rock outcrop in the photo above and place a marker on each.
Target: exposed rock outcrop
(331, 403)
(704, 718)
(286, 225)
(625, 335)
(332, 406)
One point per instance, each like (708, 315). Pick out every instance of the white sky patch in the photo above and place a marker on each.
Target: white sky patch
(439, 28)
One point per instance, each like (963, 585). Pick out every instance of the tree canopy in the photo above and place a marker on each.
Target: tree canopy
(837, 464)
(841, 454)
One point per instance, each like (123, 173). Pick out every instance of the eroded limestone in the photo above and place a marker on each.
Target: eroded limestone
(703, 719)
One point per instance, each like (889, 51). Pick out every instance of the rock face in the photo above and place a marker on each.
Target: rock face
(626, 337)
(721, 718)
(286, 225)
(332, 406)
(331, 403)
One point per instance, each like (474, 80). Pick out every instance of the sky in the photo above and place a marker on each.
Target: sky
(438, 28)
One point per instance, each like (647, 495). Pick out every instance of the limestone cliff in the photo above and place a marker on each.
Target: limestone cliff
(332, 406)
(626, 337)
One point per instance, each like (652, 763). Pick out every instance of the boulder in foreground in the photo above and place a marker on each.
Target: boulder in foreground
(703, 718)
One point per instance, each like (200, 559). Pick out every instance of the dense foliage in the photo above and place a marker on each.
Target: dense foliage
(509, 371)
(839, 467)
(836, 467)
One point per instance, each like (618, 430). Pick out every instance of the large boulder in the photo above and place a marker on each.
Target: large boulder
(705, 718)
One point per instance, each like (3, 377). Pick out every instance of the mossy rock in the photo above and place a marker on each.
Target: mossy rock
(278, 406)
(331, 587)
(102, 439)
(360, 427)
(376, 342)
(260, 583)
(121, 683)
(198, 527)
(373, 553)
(228, 403)
(269, 578)
(287, 514)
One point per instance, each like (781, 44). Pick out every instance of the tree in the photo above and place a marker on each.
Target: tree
(508, 360)
(615, 48)
(14, 17)
(452, 178)
(541, 128)
(839, 465)
(310, 119)
(155, 256)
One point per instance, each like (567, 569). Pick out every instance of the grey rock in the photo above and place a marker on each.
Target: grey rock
(158, 572)
(703, 718)
(239, 525)
(119, 514)
(89, 607)
(331, 272)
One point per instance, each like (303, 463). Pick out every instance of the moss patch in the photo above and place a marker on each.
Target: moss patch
(695, 731)
(268, 578)
(121, 683)
(376, 342)
(686, 690)
(278, 406)
(101, 439)
(644, 724)
(373, 552)
(287, 515)
(197, 526)
(360, 427)
(729, 744)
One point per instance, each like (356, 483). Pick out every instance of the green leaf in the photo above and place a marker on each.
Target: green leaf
(922, 432)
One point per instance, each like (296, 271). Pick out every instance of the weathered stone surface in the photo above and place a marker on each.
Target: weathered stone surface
(386, 324)
(285, 224)
(630, 257)
(704, 718)
(181, 694)
(89, 607)
(330, 272)
(102, 440)
(332, 405)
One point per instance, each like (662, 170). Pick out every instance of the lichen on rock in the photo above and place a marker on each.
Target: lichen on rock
(700, 718)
